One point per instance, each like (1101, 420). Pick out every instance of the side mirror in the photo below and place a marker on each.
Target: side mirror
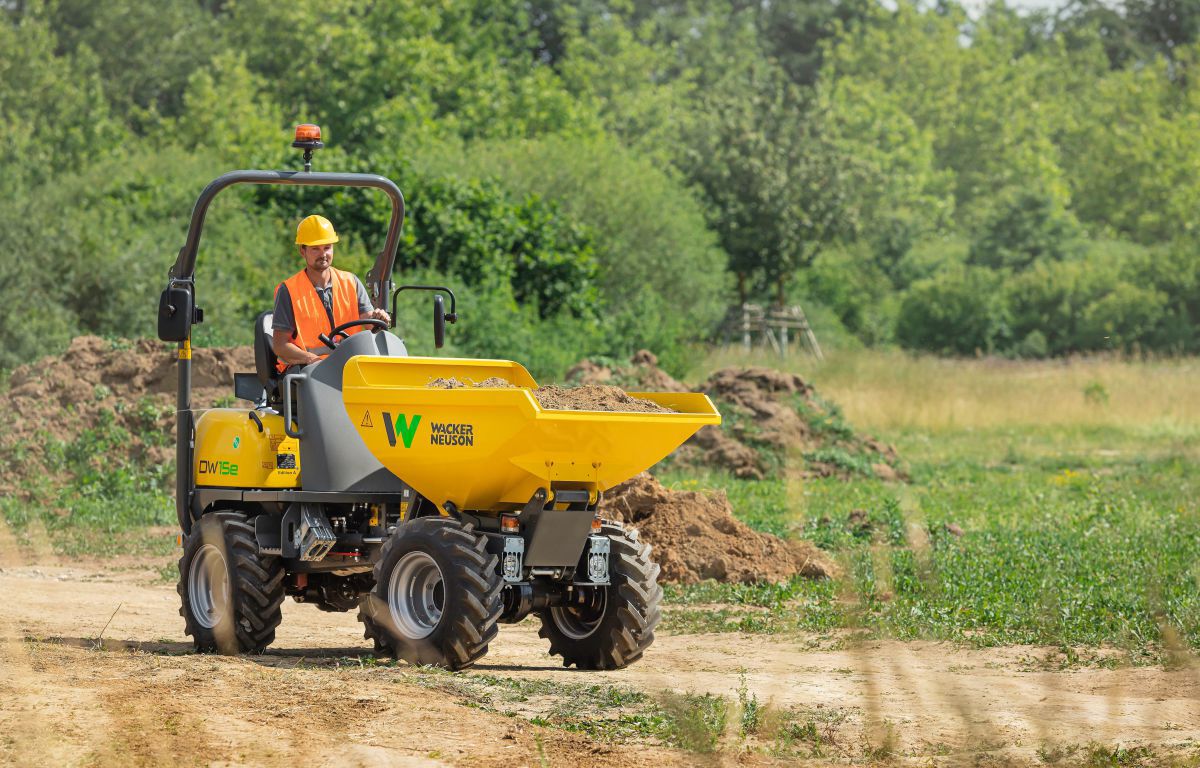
(175, 312)
(440, 315)
(439, 321)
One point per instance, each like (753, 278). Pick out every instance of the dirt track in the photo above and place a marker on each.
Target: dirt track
(141, 697)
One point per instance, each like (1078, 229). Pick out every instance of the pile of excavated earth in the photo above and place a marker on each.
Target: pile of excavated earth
(107, 389)
(774, 423)
(120, 396)
(694, 536)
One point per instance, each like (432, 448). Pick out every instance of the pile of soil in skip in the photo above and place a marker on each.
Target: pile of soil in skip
(115, 386)
(590, 397)
(694, 536)
(772, 422)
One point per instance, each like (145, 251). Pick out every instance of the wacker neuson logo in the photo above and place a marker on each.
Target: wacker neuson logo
(451, 434)
(406, 429)
(439, 433)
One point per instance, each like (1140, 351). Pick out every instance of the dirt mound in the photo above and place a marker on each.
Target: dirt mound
(641, 375)
(773, 422)
(106, 385)
(781, 418)
(695, 537)
(589, 397)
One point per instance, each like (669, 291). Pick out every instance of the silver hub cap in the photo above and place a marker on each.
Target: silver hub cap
(208, 586)
(580, 621)
(416, 595)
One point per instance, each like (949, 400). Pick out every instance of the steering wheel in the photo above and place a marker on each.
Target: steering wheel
(331, 340)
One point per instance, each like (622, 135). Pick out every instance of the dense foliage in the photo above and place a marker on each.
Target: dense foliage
(599, 176)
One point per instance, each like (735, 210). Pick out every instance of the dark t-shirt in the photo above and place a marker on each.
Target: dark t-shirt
(284, 320)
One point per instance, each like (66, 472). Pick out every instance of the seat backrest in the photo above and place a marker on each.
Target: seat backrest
(264, 353)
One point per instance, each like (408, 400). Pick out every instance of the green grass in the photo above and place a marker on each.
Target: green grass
(105, 507)
(1070, 537)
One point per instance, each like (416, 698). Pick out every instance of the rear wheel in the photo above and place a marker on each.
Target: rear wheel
(609, 627)
(436, 598)
(231, 595)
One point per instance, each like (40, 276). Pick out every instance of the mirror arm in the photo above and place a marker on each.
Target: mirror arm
(451, 316)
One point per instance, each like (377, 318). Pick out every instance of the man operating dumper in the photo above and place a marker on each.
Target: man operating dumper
(316, 299)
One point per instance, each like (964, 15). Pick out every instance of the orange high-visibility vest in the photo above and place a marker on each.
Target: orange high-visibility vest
(309, 311)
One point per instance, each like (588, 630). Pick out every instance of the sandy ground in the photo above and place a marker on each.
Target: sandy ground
(140, 697)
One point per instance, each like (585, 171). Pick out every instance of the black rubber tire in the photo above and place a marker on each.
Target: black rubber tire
(470, 595)
(621, 616)
(247, 622)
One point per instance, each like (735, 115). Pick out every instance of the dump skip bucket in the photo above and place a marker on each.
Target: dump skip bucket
(492, 448)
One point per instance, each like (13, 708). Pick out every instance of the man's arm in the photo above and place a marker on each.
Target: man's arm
(283, 329)
(365, 308)
(288, 351)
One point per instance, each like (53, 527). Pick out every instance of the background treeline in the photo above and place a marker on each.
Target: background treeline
(599, 176)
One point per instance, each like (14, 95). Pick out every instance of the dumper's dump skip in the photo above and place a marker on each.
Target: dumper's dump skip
(493, 447)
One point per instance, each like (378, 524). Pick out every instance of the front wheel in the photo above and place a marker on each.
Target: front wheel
(231, 594)
(436, 598)
(609, 627)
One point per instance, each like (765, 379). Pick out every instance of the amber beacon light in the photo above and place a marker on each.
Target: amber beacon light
(308, 138)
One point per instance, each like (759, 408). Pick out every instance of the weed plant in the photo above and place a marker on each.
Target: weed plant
(108, 507)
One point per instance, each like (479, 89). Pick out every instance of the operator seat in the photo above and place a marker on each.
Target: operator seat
(265, 359)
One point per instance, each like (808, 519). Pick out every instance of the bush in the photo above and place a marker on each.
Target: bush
(472, 230)
(1083, 304)
(650, 233)
(1022, 229)
(1174, 272)
(929, 257)
(960, 311)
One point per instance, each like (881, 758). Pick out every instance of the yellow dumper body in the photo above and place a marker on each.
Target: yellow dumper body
(235, 449)
(493, 447)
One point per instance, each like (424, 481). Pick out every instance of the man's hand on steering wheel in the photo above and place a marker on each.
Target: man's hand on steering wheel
(376, 323)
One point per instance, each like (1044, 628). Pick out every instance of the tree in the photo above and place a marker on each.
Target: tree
(52, 106)
(772, 175)
(1170, 26)
(470, 230)
(147, 50)
(649, 234)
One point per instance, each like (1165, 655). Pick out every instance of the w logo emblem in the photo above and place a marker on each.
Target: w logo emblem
(401, 426)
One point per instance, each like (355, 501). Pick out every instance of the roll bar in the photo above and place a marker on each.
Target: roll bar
(379, 281)
(177, 312)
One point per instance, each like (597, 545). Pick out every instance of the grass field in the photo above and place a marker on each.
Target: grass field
(1050, 503)
(892, 391)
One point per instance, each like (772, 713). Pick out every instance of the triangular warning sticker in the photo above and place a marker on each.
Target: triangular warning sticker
(366, 422)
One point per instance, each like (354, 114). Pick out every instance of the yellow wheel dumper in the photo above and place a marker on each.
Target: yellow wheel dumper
(436, 512)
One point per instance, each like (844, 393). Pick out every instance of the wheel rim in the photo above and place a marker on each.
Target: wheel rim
(208, 586)
(580, 621)
(416, 595)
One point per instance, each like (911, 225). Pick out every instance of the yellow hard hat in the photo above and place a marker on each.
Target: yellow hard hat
(315, 230)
